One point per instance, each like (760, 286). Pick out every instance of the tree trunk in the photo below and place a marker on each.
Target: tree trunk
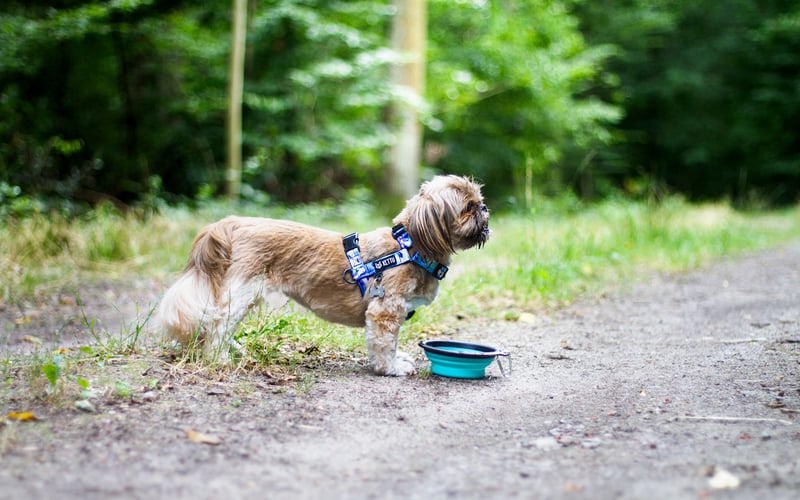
(408, 38)
(233, 126)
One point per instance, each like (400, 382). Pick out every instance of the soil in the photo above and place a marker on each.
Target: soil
(681, 386)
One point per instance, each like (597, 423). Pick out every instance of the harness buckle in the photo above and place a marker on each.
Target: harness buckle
(350, 241)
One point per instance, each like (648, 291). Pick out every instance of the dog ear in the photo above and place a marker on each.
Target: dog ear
(430, 222)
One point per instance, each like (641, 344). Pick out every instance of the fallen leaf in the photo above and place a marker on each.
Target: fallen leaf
(566, 346)
(67, 301)
(572, 487)
(282, 379)
(22, 416)
(23, 321)
(526, 318)
(31, 339)
(199, 437)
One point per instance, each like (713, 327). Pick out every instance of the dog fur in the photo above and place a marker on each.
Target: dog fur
(237, 261)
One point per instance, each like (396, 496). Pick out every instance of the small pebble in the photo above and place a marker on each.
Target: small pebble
(546, 443)
(85, 405)
(590, 443)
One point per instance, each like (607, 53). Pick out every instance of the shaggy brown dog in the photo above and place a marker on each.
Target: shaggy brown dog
(235, 262)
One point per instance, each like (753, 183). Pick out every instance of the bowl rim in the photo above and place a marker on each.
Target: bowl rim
(435, 346)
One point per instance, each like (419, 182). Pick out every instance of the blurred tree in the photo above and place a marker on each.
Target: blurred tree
(409, 27)
(711, 96)
(233, 163)
(102, 97)
(120, 99)
(510, 87)
(315, 97)
(114, 99)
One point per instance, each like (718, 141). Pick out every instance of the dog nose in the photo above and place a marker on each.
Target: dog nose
(483, 207)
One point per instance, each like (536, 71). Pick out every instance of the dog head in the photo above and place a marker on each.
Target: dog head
(448, 214)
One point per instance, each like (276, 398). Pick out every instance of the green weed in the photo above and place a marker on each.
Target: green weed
(52, 370)
(48, 376)
(290, 337)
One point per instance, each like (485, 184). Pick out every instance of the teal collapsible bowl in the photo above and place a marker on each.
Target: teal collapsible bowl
(453, 359)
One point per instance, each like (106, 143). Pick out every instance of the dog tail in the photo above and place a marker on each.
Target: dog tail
(189, 307)
(211, 253)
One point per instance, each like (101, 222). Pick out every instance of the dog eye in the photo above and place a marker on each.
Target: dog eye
(470, 206)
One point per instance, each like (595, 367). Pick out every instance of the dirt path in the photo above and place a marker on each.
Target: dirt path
(680, 387)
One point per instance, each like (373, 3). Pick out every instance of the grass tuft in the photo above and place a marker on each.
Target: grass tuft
(293, 337)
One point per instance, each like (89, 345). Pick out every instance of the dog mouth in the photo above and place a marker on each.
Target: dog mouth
(483, 236)
(475, 230)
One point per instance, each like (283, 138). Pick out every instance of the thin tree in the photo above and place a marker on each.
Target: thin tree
(233, 125)
(409, 29)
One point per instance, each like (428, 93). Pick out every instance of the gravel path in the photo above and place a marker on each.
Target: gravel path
(679, 387)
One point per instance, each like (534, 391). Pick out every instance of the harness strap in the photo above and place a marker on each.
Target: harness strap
(360, 272)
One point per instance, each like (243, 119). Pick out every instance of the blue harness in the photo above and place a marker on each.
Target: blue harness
(360, 272)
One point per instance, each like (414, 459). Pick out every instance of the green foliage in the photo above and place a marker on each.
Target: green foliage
(52, 370)
(123, 101)
(122, 388)
(290, 337)
(510, 86)
(98, 102)
(117, 100)
(711, 96)
(134, 91)
(315, 97)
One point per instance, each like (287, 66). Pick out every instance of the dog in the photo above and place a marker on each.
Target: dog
(237, 261)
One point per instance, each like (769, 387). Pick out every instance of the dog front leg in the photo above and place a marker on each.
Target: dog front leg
(383, 329)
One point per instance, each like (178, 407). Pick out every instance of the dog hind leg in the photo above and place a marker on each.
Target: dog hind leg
(187, 310)
(237, 300)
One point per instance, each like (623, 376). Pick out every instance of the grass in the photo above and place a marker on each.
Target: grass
(532, 262)
(550, 258)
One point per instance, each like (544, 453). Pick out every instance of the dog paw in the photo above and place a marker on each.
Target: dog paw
(399, 365)
(403, 365)
(404, 356)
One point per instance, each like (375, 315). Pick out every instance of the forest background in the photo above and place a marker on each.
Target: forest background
(124, 101)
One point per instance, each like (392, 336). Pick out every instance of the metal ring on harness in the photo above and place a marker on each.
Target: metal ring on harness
(350, 281)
